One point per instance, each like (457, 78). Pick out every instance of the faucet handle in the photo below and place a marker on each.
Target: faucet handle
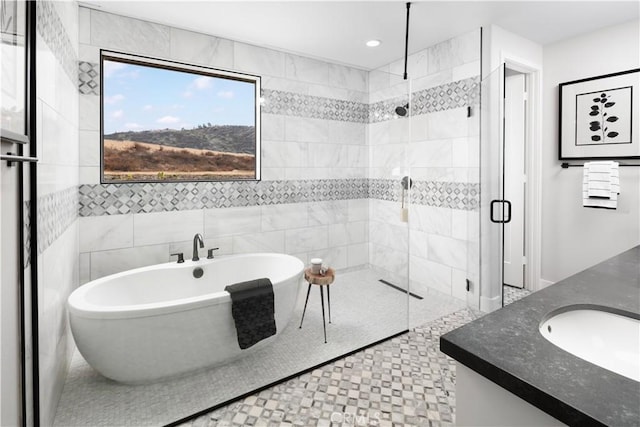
(180, 256)
(210, 252)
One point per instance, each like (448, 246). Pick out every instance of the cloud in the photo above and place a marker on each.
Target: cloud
(226, 94)
(168, 120)
(147, 107)
(118, 114)
(187, 94)
(113, 99)
(110, 68)
(132, 126)
(202, 82)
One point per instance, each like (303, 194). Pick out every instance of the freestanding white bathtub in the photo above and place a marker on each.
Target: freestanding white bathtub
(157, 322)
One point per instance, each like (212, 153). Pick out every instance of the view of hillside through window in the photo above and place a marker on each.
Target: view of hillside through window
(163, 123)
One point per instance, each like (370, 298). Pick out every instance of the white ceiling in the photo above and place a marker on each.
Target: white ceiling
(337, 30)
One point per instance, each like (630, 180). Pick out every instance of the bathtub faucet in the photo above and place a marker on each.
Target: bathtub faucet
(197, 238)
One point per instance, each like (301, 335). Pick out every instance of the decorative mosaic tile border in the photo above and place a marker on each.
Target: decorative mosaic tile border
(56, 212)
(314, 107)
(115, 199)
(454, 195)
(55, 36)
(448, 96)
(119, 199)
(88, 78)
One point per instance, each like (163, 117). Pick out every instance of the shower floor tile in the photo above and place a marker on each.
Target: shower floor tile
(363, 311)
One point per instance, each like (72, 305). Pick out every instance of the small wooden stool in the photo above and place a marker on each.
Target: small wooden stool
(321, 281)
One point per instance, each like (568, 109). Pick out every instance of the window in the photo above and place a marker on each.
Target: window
(166, 121)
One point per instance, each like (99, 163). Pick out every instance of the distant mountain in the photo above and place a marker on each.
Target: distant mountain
(230, 139)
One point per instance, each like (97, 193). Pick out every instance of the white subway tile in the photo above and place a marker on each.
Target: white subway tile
(300, 129)
(129, 34)
(198, 48)
(258, 60)
(357, 254)
(98, 233)
(307, 239)
(89, 154)
(232, 221)
(272, 127)
(104, 263)
(271, 241)
(358, 210)
(306, 69)
(328, 212)
(448, 124)
(84, 25)
(165, 227)
(282, 217)
(348, 77)
(459, 224)
(448, 251)
(459, 284)
(84, 262)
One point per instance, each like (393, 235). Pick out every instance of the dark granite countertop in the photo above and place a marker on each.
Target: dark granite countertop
(506, 347)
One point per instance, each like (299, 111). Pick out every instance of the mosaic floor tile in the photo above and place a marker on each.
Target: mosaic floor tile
(355, 385)
(512, 294)
(405, 381)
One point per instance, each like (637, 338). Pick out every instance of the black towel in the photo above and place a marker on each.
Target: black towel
(253, 310)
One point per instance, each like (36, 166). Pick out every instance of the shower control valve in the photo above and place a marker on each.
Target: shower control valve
(180, 256)
(210, 252)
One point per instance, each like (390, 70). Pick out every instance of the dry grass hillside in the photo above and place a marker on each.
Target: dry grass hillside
(139, 161)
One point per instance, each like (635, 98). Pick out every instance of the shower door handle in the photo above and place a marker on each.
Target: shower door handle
(505, 217)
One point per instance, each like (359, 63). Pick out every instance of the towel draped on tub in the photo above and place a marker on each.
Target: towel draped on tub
(252, 307)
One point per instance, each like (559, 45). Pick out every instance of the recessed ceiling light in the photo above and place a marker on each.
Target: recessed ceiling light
(373, 43)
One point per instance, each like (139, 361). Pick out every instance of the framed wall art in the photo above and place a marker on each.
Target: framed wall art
(600, 117)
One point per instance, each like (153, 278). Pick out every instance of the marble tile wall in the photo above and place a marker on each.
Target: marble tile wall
(327, 139)
(434, 250)
(314, 160)
(57, 179)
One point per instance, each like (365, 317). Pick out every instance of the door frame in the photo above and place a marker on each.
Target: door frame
(533, 150)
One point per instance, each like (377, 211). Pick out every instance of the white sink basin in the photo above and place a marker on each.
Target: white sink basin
(608, 340)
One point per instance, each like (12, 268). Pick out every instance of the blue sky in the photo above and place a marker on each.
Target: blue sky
(138, 97)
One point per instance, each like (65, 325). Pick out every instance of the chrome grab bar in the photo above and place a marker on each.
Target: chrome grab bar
(10, 158)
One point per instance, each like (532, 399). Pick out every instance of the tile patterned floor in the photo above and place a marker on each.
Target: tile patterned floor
(512, 294)
(405, 381)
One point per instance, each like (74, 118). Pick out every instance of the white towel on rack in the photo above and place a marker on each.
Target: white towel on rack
(600, 185)
(603, 178)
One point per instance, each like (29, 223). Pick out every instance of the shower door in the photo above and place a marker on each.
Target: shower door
(389, 134)
(495, 209)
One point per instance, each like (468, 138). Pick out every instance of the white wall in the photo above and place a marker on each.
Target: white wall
(574, 237)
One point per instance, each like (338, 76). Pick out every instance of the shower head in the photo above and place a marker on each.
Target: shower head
(402, 110)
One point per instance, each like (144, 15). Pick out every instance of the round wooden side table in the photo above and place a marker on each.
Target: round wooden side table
(320, 280)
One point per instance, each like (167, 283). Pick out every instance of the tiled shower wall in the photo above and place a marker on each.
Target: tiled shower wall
(57, 180)
(333, 154)
(312, 200)
(439, 150)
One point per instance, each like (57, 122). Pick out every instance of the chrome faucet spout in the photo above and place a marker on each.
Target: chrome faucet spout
(197, 239)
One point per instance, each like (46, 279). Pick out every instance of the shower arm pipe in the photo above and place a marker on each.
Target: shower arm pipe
(406, 41)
